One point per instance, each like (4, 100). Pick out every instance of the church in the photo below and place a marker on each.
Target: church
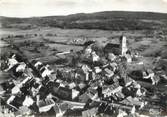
(117, 49)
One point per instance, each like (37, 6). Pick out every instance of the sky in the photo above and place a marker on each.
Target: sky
(34, 8)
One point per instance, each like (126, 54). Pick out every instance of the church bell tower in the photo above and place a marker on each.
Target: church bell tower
(123, 45)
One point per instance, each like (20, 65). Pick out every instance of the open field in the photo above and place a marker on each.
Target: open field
(154, 45)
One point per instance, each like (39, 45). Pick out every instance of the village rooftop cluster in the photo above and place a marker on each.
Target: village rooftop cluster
(91, 84)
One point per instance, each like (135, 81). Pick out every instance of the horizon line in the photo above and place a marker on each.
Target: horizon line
(84, 13)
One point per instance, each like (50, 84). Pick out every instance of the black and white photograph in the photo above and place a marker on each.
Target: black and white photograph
(83, 58)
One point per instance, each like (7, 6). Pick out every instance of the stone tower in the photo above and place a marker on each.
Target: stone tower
(123, 46)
